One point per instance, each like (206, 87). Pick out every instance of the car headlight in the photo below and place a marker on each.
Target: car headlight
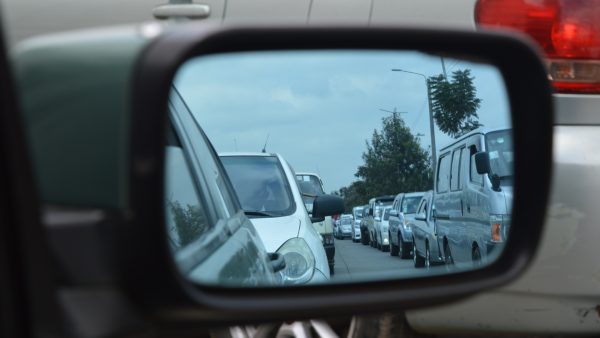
(299, 262)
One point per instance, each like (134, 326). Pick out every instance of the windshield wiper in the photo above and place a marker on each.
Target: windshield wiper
(258, 213)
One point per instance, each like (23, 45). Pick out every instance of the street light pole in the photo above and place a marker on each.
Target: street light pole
(431, 125)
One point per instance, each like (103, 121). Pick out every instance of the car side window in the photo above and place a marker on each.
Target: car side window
(443, 174)
(200, 152)
(423, 208)
(186, 216)
(474, 176)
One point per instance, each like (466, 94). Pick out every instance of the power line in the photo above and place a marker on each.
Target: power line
(418, 119)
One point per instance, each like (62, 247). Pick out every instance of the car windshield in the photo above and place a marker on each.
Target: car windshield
(260, 184)
(499, 146)
(346, 221)
(410, 204)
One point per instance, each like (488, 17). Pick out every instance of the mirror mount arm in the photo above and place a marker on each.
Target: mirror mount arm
(495, 179)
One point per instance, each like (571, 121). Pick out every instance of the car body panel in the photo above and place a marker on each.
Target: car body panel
(274, 231)
(52, 90)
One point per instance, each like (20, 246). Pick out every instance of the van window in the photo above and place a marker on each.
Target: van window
(443, 176)
(454, 179)
(462, 172)
(475, 177)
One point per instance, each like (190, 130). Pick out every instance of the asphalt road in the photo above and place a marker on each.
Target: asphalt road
(354, 261)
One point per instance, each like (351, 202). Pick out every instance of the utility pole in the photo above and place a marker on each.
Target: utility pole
(444, 68)
(431, 124)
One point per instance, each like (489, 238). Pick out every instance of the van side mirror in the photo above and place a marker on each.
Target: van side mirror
(394, 213)
(327, 205)
(420, 216)
(482, 162)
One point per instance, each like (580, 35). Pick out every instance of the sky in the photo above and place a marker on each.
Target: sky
(318, 108)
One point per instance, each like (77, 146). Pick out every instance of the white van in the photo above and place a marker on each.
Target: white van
(473, 195)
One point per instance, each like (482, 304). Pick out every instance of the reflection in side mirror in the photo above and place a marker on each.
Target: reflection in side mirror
(261, 122)
(327, 205)
(482, 162)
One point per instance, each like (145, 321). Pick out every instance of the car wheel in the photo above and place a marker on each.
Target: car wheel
(417, 259)
(405, 249)
(394, 248)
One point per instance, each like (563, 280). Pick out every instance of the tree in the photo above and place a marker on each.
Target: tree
(189, 223)
(455, 103)
(394, 162)
(353, 195)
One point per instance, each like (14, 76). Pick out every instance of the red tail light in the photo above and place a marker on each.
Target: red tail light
(567, 30)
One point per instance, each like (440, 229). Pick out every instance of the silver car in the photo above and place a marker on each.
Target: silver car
(267, 189)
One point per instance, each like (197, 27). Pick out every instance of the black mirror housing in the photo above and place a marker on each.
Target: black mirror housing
(168, 294)
(327, 205)
(482, 162)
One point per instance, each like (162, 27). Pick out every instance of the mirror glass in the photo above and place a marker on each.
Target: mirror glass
(263, 148)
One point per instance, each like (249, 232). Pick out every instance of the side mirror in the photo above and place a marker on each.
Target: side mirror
(327, 205)
(393, 213)
(520, 74)
(482, 162)
(420, 217)
(377, 219)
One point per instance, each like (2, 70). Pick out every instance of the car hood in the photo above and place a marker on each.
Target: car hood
(274, 231)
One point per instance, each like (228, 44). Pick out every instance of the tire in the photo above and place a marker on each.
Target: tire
(418, 260)
(394, 249)
(447, 255)
(405, 249)
(448, 260)
(364, 240)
